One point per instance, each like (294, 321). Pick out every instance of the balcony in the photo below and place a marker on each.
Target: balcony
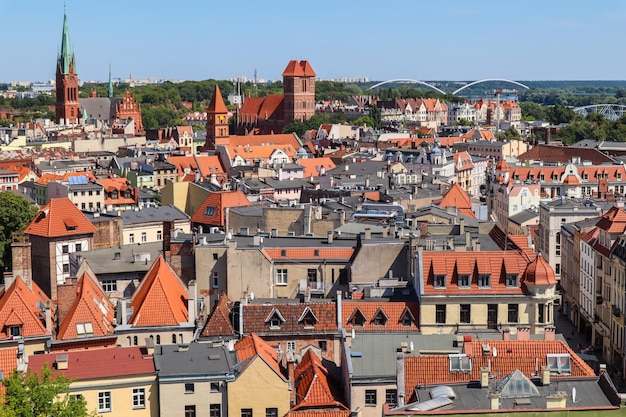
(313, 287)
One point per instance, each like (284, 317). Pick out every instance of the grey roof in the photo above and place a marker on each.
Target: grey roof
(103, 261)
(444, 213)
(524, 216)
(100, 108)
(153, 214)
(248, 211)
(199, 360)
(287, 184)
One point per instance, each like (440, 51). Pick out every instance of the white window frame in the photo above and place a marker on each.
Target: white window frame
(139, 398)
(105, 403)
(144, 237)
(282, 276)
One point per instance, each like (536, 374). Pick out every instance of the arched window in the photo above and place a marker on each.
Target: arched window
(174, 338)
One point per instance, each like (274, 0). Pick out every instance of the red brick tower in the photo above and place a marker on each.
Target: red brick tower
(128, 108)
(67, 107)
(299, 88)
(216, 121)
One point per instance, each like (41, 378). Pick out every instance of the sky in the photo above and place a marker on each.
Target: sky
(422, 40)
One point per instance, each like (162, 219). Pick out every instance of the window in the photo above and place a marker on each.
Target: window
(131, 238)
(465, 315)
(440, 313)
(492, 316)
(83, 206)
(357, 319)
(459, 362)
(190, 411)
(215, 279)
(79, 247)
(322, 345)
(540, 310)
(66, 268)
(109, 285)
(215, 410)
(135, 340)
(215, 256)
(370, 397)
(246, 412)
(271, 412)
(464, 280)
(104, 401)
(291, 346)
(281, 276)
(559, 363)
(215, 387)
(484, 280)
(139, 398)
(174, 339)
(65, 249)
(407, 318)
(391, 397)
(380, 319)
(144, 237)
(209, 211)
(84, 329)
(440, 281)
(557, 269)
(511, 280)
(158, 339)
(15, 330)
(189, 388)
(316, 252)
(513, 313)
(159, 235)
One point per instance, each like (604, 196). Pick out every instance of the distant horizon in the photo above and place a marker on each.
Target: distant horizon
(451, 40)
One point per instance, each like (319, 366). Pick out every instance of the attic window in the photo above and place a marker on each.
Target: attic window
(484, 280)
(209, 211)
(511, 280)
(464, 280)
(316, 252)
(15, 330)
(440, 281)
(460, 362)
(84, 329)
(275, 319)
(380, 318)
(357, 319)
(283, 252)
(407, 319)
(560, 363)
(308, 318)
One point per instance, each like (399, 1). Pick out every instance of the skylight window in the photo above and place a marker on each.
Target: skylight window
(460, 363)
(560, 363)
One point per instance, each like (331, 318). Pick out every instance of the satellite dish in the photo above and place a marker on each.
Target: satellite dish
(573, 394)
(353, 335)
(495, 352)
(251, 296)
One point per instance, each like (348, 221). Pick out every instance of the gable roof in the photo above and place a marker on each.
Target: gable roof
(253, 346)
(219, 322)
(457, 197)
(217, 102)
(394, 311)
(91, 306)
(160, 299)
(613, 221)
(313, 166)
(19, 305)
(218, 200)
(59, 218)
(564, 154)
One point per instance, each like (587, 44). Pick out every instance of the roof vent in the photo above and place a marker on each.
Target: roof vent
(117, 256)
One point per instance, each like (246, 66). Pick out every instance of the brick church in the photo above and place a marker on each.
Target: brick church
(112, 114)
(268, 115)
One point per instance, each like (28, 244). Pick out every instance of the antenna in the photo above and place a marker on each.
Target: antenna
(251, 295)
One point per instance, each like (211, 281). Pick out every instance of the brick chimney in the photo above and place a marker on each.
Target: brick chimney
(21, 258)
(291, 364)
(523, 333)
(548, 333)
(66, 295)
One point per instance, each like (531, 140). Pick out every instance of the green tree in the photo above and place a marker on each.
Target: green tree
(40, 394)
(510, 133)
(15, 214)
(374, 114)
(532, 111)
(558, 114)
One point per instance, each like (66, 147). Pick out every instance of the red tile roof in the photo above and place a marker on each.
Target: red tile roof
(308, 253)
(564, 154)
(219, 321)
(98, 364)
(264, 108)
(539, 272)
(160, 299)
(457, 197)
(527, 356)
(253, 346)
(60, 217)
(91, 306)
(496, 263)
(217, 102)
(393, 311)
(8, 362)
(257, 318)
(219, 201)
(313, 166)
(613, 221)
(298, 69)
(19, 305)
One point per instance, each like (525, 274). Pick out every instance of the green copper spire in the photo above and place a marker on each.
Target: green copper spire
(110, 83)
(84, 116)
(66, 56)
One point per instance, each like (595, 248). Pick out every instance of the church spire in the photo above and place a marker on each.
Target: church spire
(110, 83)
(66, 56)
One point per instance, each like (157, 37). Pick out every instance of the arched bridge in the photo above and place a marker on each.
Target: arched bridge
(609, 111)
(410, 81)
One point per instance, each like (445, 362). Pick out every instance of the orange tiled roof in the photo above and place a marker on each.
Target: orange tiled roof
(183, 163)
(527, 356)
(613, 221)
(217, 102)
(160, 299)
(91, 306)
(457, 197)
(394, 311)
(8, 363)
(539, 272)
(278, 139)
(251, 346)
(19, 305)
(219, 322)
(218, 200)
(313, 388)
(313, 166)
(308, 253)
(58, 218)
(262, 152)
(463, 161)
(256, 317)
(48, 177)
(298, 69)
(496, 263)
(209, 165)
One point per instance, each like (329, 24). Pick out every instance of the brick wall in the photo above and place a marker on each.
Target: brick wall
(108, 233)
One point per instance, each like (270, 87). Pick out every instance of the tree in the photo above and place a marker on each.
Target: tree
(40, 394)
(15, 214)
(374, 113)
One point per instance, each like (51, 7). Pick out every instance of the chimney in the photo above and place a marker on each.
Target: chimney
(450, 243)
(330, 237)
(21, 259)
(548, 333)
(191, 301)
(461, 226)
(468, 240)
(48, 317)
(494, 399)
(557, 399)
(66, 295)
(523, 333)
(256, 240)
(400, 378)
(291, 363)
(506, 334)
(545, 375)
(385, 231)
(150, 346)
(484, 377)
(339, 311)
(476, 245)
(368, 233)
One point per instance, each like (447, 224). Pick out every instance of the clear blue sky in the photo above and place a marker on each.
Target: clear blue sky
(418, 39)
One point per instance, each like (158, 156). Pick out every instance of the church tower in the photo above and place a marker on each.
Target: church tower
(216, 121)
(67, 107)
(299, 89)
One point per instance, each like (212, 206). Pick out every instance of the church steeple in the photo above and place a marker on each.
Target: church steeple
(110, 83)
(67, 107)
(216, 121)
(66, 55)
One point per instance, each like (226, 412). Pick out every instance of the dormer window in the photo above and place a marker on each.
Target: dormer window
(15, 330)
(380, 318)
(460, 362)
(275, 319)
(209, 211)
(407, 319)
(84, 329)
(464, 280)
(484, 280)
(511, 280)
(440, 281)
(357, 319)
(308, 318)
(559, 363)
